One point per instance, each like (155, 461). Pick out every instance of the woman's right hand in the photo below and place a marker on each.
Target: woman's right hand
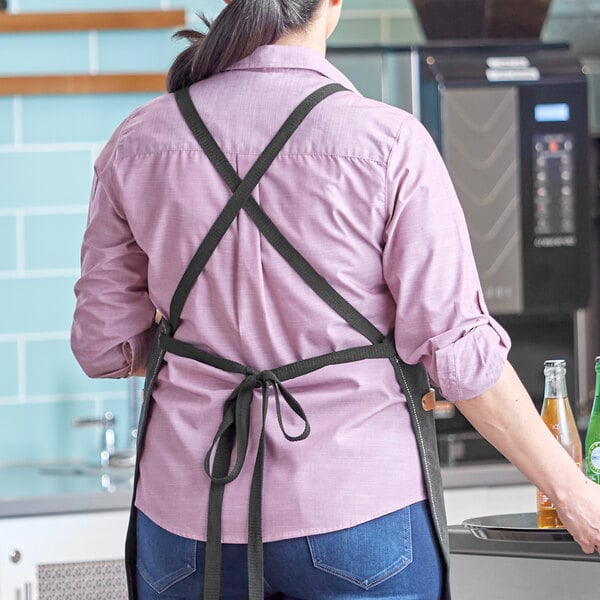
(507, 417)
(580, 514)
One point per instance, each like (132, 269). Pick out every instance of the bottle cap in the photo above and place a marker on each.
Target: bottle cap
(597, 360)
(556, 362)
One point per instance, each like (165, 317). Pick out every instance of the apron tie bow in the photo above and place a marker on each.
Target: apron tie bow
(235, 424)
(235, 430)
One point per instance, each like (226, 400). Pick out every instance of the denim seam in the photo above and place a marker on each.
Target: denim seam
(383, 575)
(160, 585)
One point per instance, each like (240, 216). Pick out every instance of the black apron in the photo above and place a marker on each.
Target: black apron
(235, 426)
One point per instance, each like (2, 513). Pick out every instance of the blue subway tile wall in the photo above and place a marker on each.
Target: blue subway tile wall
(44, 53)
(48, 144)
(52, 241)
(8, 244)
(75, 5)
(41, 302)
(47, 147)
(7, 125)
(47, 426)
(59, 374)
(82, 119)
(153, 51)
(10, 372)
(45, 176)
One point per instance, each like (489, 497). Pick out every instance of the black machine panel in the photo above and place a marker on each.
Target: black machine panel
(552, 160)
(555, 191)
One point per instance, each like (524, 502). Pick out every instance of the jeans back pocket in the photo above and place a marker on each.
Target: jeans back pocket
(163, 558)
(367, 554)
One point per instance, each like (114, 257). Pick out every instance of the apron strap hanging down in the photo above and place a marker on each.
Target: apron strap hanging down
(235, 419)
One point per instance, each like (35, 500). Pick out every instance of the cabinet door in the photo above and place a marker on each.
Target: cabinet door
(63, 557)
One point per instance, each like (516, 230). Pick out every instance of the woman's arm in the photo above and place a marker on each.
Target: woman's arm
(112, 324)
(506, 416)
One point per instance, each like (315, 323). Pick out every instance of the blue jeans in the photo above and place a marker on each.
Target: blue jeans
(395, 556)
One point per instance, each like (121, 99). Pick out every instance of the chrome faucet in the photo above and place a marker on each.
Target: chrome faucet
(107, 421)
(109, 456)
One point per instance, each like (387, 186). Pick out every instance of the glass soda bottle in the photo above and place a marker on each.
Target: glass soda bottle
(592, 438)
(558, 416)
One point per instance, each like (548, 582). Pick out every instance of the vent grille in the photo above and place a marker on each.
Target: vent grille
(89, 580)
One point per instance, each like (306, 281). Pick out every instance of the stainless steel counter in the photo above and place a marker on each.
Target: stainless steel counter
(520, 569)
(481, 474)
(33, 490)
(38, 489)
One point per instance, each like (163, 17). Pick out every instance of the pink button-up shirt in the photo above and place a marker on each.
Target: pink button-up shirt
(362, 192)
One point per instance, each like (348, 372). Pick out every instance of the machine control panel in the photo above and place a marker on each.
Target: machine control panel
(554, 208)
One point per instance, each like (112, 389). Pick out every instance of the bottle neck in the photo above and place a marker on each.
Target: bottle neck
(596, 405)
(556, 383)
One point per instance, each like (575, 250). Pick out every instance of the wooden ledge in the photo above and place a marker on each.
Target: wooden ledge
(95, 20)
(83, 84)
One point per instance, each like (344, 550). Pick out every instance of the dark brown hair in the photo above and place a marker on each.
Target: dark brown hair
(240, 28)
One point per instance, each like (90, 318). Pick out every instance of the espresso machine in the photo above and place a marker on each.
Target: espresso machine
(509, 116)
(511, 124)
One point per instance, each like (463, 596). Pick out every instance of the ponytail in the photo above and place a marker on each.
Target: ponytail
(241, 27)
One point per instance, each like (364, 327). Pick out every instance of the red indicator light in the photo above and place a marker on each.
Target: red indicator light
(553, 146)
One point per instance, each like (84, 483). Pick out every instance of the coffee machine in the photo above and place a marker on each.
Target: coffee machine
(511, 123)
(509, 116)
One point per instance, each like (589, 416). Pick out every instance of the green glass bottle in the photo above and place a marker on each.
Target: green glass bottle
(592, 438)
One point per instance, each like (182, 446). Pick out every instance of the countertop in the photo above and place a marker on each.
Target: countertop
(462, 541)
(44, 489)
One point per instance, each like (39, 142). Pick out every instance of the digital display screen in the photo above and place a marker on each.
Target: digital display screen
(552, 113)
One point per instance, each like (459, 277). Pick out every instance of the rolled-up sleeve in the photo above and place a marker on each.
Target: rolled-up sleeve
(441, 318)
(112, 325)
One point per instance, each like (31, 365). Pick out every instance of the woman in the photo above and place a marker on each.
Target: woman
(353, 232)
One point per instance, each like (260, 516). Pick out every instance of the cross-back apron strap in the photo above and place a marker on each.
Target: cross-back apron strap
(302, 267)
(236, 408)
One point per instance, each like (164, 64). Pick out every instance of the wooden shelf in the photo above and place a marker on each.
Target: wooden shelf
(82, 84)
(95, 20)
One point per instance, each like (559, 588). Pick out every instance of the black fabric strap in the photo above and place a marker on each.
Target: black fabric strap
(235, 423)
(241, 189)
(325, 291)
(234, 431)
(383, 349)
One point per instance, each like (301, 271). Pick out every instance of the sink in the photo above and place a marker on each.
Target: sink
(87, 469)
(111, 478)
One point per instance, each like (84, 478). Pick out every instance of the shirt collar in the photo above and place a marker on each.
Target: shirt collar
(277, 56)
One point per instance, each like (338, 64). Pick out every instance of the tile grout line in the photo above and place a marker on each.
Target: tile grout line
(21, 369)
(22, 273)
(39, 336)
(28, 211)
(53, 398)
(20, 242)
(18, 121)
(50, 147)
(93, 52)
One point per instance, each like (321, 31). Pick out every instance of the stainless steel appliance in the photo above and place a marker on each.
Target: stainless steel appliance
(510, 119)
(511, 123)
